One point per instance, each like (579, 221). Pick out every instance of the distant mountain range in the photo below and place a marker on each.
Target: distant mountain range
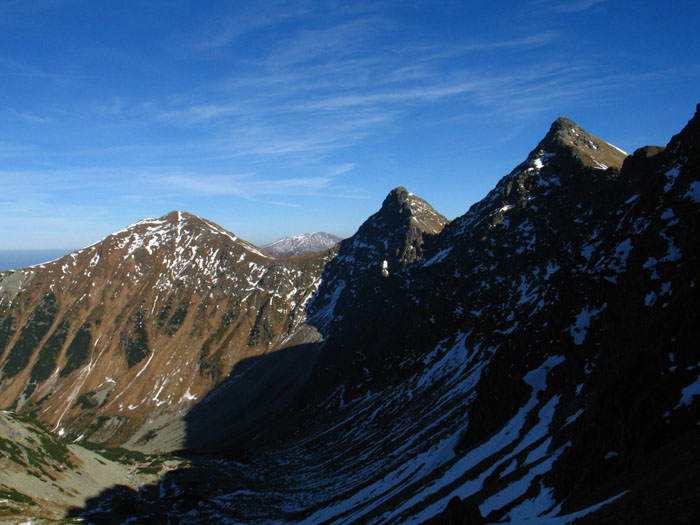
(534, 360)
(301, 244)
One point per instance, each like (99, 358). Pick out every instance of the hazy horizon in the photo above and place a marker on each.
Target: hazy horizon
(16, 259)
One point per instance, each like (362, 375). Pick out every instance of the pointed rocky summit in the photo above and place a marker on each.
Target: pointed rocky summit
(397, 229)
(565, 135)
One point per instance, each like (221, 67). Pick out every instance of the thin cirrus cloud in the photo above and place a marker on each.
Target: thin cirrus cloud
(571, 6)
(266, 141)
(311, 115)
(574, 7)
(105, 185)
(326, 121)
(245, 185)
(327, 86)
(245, 20)
(259, 17)
(250, 186)
(13, 150)
(331, 68)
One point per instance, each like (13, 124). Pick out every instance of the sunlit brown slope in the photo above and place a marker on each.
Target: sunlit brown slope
(140, 325)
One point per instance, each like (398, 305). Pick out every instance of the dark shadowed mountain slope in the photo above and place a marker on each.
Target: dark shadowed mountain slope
(538, 359)
(362, 293)
(384, 245)
(604, 280)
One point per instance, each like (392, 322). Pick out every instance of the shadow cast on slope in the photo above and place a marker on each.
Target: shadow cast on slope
(261, 402)
(257, 390)
(219, 429)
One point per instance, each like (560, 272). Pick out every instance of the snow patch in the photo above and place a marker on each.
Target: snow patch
(551, 519)
(188, 396)
(650, 299)
(438, 256)
(618, 149)
(575, 416)
(689, 392)
(551, 268)
(671, 176)
(579, 329)
(622, 251)
(694, 192)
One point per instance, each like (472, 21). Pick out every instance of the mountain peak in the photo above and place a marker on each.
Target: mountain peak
(568, 138)
(301, 244)
(564, 122)
(401, 203)
(399, 225)
(398, 192)
(174, 239)
(396, 198)
(564, 127)
(175, 216)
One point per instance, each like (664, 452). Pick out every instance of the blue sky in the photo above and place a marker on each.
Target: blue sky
(281, 117)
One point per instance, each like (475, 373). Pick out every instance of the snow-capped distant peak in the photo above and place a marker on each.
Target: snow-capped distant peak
(300, 244)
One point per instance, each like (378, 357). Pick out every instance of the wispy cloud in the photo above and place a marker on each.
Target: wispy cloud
(29, 118)
(195, 114)
(207, 185)
(329, 86)
(13, 150)
(581, 5)
(46, 197)
(246, 186)
(312, 123)
(10, 10)
(325, 44)
(248, 18)
(11, 66)
(114, 107)
(340, 170)
(399, 96)
(525, 42)
(570, 6)
(283, 204)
